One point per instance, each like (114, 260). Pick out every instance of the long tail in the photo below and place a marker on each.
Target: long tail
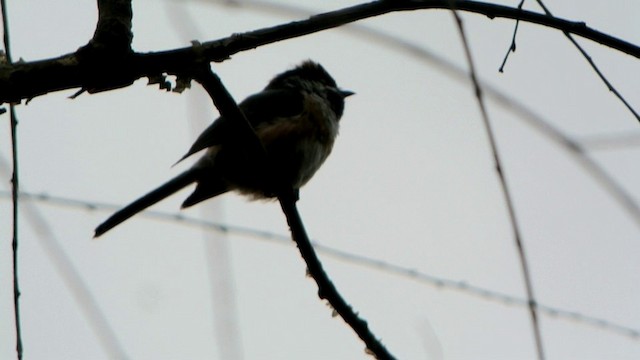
(186, 178)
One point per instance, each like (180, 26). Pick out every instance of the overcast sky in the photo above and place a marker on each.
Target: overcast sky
(411, 183)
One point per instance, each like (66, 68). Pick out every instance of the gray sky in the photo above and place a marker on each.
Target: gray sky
(411, 182)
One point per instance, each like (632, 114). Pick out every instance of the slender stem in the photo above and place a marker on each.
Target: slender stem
(533, 307)
(326, 289)
(593, 65)
(15, 189)
(437, 282)
(512, 47)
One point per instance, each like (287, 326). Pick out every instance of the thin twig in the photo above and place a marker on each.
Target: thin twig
(348, 257)
(505, 188)
(326, 289)
(15, 189)
(78, 288)
(512, 47)
(593, 65)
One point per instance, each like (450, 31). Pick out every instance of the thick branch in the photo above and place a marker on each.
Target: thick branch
(113, 30)
(28, 80)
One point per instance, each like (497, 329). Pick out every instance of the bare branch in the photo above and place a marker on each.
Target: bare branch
(78, 288)
(28, 80)
(508, 199)
(350, 258)
(512, 47)
(15, 189)
(594, 66)
(113, 31)
(326, 289)
(255, 155)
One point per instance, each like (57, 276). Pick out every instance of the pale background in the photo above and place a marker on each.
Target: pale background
(411, 182)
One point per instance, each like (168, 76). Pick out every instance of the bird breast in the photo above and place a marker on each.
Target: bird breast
(297, 146)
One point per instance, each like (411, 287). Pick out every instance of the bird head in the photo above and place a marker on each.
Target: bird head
(312, 77)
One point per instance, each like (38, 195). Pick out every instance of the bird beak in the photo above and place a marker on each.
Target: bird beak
(346, 93)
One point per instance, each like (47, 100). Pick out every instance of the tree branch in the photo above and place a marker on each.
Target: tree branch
(506, 192)
(28, 80)
(15, 189)
(326, 289)
(255, 155)
(257, 159)
(113, 31)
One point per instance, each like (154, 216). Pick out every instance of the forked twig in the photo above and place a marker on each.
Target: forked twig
(348, 257)
(512, 47)
(593, 65)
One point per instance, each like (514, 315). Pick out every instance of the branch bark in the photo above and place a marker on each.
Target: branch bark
(28, 80)
(113, 31)
(256, 156)
(326, 289)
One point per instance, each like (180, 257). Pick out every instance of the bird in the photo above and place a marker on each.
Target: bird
(296, 118)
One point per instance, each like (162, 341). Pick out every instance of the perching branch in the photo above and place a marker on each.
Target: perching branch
(258, 156)
(93, 74)
(326, 289)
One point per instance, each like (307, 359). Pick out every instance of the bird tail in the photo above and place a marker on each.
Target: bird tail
(172, 186)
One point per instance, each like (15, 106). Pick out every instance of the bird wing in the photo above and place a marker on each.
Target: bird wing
(263, 107)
